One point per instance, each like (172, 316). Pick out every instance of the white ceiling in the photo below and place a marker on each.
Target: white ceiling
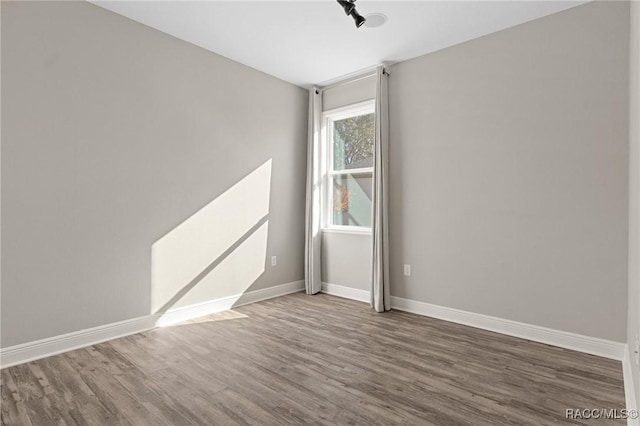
(313, 42)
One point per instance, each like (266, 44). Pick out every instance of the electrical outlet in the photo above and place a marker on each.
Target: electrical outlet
(274, 260)
(407, 270)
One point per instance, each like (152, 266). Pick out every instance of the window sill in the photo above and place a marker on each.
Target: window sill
(366, 231)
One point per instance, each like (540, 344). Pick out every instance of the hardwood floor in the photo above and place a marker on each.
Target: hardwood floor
(316, 359)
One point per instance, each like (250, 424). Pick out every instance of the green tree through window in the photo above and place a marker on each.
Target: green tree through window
(353, 142)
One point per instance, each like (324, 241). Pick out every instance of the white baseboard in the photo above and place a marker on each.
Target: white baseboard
(270, 293)
(564, 339)
(346, 292)
(196, 310)
(32, 351)
(225, 303)
(549, 336)
(629, 389)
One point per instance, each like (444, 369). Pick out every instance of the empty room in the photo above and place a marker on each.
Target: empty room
(319, 212)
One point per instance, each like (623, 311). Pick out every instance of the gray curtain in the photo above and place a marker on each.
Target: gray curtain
(380, 295)
(312, 222)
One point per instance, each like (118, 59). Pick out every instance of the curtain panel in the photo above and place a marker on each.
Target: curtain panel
(380, 293)
(313, 239)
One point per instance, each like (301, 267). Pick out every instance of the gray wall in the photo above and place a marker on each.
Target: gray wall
(346, 259)
(633, 326)
(509, 159)
(114, 135)
(341, 95)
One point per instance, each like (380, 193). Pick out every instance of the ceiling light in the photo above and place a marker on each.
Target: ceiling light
(375, 20)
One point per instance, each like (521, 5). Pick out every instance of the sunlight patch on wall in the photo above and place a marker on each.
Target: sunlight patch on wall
(233, 275)
(219, 251)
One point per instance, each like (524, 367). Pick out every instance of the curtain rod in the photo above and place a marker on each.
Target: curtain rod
(351, 80)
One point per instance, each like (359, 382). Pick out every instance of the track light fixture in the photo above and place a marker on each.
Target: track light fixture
(357, 18)
(349, 7)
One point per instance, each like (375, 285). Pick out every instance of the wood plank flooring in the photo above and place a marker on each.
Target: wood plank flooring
(316, 359)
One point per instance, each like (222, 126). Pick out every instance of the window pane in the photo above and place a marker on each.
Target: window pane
(352, 200)
(353, 142)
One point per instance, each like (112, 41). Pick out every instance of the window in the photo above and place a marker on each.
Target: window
(348, 147)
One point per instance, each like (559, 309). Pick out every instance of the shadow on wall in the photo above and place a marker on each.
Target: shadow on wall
(218, 252)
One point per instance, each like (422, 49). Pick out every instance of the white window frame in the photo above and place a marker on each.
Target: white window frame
(328, 117)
